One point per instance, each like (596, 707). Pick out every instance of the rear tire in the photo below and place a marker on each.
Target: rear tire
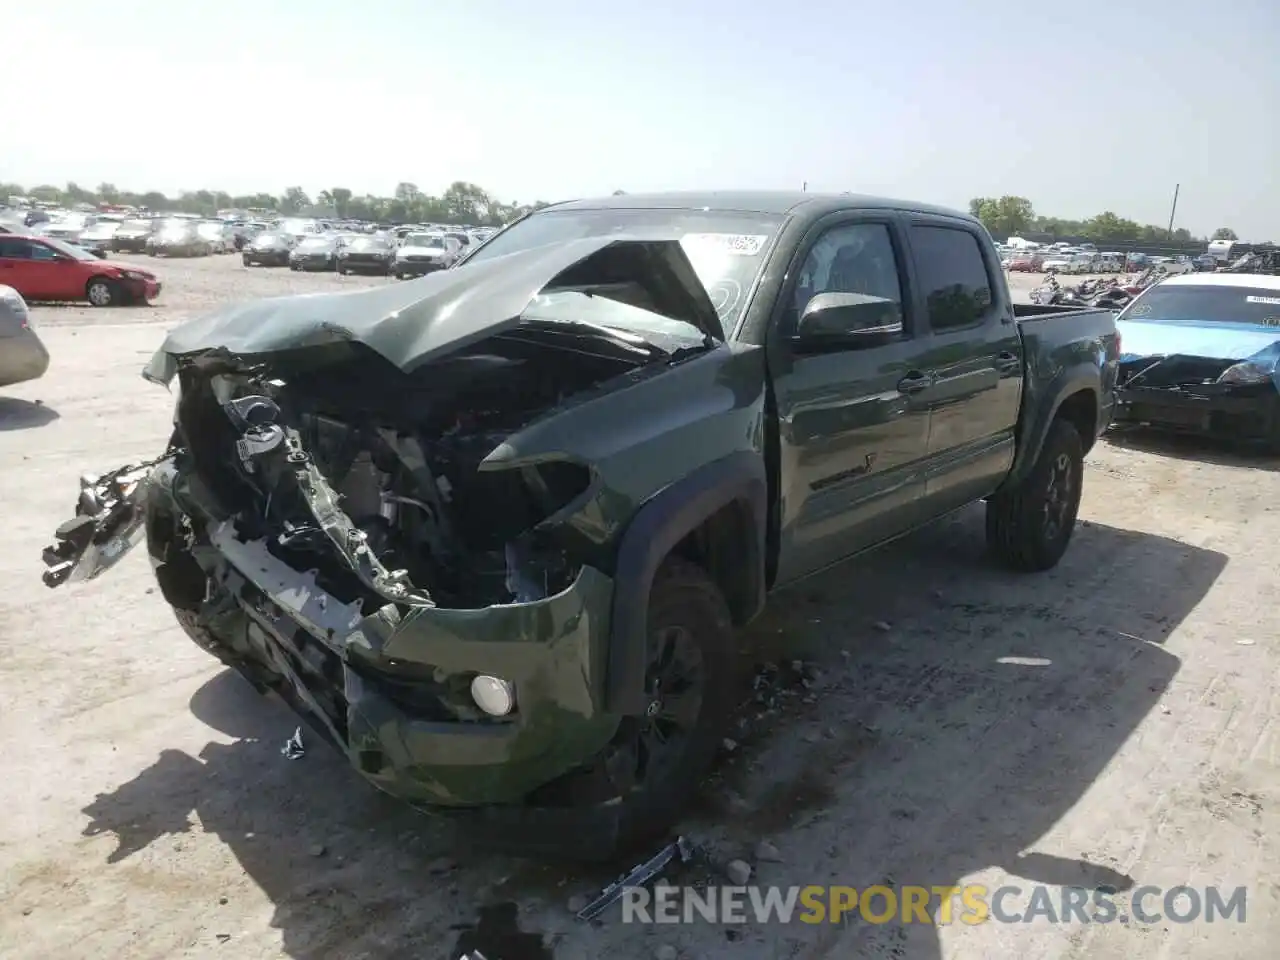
(648, 773)
(1029, 526)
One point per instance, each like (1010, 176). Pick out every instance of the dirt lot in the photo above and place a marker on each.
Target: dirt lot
(1112, 722)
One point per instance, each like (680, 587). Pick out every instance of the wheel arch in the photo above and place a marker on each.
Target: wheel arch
(1078, 404)
(716, 517)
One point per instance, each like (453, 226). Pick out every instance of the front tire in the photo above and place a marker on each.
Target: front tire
(1029, 526)
(646, 775)
(101, 292)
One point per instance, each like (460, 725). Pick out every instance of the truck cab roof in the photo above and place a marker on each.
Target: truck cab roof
(757, 201)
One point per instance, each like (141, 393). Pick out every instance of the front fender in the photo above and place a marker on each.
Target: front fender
(738, 479)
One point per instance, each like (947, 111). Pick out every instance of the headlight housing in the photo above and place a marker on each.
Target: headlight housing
(133, 275)
(1246, 372)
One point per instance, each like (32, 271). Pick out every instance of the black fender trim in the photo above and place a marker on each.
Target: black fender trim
(658, 526)
(1032, 442)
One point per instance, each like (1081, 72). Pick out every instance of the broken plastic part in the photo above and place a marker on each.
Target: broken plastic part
(638, 877)
(294, 748)
(110, 513)
(351, 542)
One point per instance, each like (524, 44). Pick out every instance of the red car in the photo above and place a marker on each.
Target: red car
(41, 268)
(1026, 263)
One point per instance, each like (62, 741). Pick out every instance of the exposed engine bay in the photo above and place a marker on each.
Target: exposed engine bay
(370, 476)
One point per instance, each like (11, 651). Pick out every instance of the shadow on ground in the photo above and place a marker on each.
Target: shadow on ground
(18, 414)
(953, 740)
(1186, 447)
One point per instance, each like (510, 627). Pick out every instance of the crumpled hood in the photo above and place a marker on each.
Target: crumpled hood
(1216, 340)
(412, 323)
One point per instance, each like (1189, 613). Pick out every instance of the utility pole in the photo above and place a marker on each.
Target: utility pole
(1176, 188)
(804, 187)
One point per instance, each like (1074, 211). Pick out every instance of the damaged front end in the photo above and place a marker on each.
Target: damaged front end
(1228, 399)
(409, 530)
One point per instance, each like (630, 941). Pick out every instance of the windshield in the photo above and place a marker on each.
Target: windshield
(1214, 304)
(268, 240)
(727, 248)
(299, 226)
(136, 225)
(210, 229)
(69, 249)
(103, 228)
(316, 243)
(424, 240)
(73, 222)
(370, 243)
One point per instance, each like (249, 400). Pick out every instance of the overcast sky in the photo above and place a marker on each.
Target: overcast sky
(1079, 109)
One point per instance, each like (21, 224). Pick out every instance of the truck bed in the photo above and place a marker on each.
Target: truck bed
(1034, 311)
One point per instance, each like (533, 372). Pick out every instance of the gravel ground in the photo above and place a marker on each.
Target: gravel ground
(1111, 722)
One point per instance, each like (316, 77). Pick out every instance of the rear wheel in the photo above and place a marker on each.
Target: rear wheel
(651, 768)
(1030, 525)
(101, 292)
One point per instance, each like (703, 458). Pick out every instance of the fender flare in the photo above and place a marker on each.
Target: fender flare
(655, 530)
(1029, 453)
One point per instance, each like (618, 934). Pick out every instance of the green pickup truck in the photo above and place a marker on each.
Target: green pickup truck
(491, 532)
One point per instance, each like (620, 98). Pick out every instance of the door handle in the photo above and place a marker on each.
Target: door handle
(1007, 360)
(914, 382)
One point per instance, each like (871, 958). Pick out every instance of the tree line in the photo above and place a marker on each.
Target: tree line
(1014, 216)
(461, 203)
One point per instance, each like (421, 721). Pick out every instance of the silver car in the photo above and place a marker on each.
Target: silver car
(22, 355)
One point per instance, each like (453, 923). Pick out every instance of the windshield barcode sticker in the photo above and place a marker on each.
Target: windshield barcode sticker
(737, 244)
(1271, 300)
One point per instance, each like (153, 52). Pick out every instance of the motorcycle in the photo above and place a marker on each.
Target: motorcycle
(1049, 292)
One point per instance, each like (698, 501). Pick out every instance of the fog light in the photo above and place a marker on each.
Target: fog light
(494, 696)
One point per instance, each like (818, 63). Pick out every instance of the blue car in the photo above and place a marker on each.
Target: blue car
(1199, 354)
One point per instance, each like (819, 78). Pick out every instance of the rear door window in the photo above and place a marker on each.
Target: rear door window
(957, 288)
(14, 249)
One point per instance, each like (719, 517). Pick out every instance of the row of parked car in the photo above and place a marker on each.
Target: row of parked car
(1077, 260)
(401, 253)
(299, 242)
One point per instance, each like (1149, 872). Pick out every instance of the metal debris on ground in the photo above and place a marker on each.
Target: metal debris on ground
(638, 877)
(293, 747)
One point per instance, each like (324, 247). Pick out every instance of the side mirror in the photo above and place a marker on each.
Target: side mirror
(847, 321)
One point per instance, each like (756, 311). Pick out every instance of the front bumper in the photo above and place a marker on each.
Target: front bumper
(143, 290)
(400, 720)
(312, 263)
(1248, 413)
(417, 268)
(364, 266)
(266, 257)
